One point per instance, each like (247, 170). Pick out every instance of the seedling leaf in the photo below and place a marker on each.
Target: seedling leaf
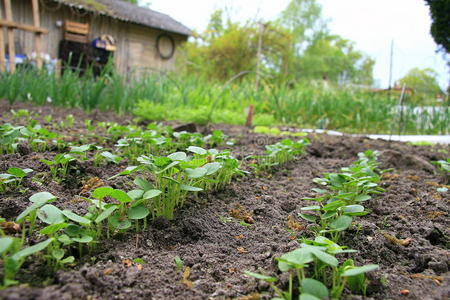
(105, 214)
(121, 196)
(5, 244)
(314, 288)
(196, 173)
(51, 229)
(181, 156)
(309, 218)
(118, 222)
(359, 270)
(102, 192)
(341, 223)
(138, 212)
(190, 188)
(42, 196)
(260, 276)
(151, 194)
(31, 250)
(308, 297)
(143, 184)
(76, 218)
(50, 214)
(196, 150)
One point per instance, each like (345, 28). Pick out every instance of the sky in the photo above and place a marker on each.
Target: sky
(372, 25)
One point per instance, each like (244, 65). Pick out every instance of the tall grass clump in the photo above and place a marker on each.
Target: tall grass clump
(194, 99)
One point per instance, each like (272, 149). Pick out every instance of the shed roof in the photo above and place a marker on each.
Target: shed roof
(128, 12)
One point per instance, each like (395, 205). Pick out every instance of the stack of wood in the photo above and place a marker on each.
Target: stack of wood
(76, 32)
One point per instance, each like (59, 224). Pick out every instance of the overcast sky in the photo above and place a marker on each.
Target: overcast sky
(372, 25)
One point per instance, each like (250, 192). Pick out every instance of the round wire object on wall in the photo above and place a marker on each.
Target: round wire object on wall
(165, 46)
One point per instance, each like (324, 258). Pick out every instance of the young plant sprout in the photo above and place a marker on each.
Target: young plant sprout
(281, 152)
(13, 256)
(59, 166)
(178, 174)
(342, 200)
(13, 178)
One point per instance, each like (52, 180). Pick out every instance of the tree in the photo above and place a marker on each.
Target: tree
(440, 27)
(304, 19)
(424, 83)
(297, 47)
(335, 59)
(228, 48)
(319, 54)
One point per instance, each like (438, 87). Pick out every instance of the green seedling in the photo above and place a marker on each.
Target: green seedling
(176, 174)
(30, 213)
(106, 156)
(48, 118)
(185, 139)
(88, 125)
(139, 261)
(216, 139)
(13, 256)
(21, 113)
(179, 263)
(13, 178)
(81, 151)
(322, 260)
(280, 153)
(59, 166)
(10, 137)
(69, 120)
(344, 195)
(129, 208)
(444, 168)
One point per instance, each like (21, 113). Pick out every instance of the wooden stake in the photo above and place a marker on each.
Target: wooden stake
(259, 54)
(249, 121)
(2, 47)
(11, 45)
(37, 35)
(2, 50)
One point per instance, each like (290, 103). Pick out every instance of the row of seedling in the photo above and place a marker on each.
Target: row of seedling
(129, 141)
(314, 271)
(179, 173)
(279, 153)
(111, 210)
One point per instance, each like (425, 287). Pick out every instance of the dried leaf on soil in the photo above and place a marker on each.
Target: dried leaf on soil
(108, 271)
(390, 176)
(241, 250)
(436, 214)
(254, 296)
(413, 177)
(10, 227)
(185, 280)
(127, 262)
(437, 279)
(404, 292)
(91, 184)
(394, 240)
(294, 224)
(239, 212)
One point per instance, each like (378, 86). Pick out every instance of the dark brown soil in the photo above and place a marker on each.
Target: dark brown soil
(218, 248)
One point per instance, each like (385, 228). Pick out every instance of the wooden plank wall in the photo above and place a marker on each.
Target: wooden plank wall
(136, 44)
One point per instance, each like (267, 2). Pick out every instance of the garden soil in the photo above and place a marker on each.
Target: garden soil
(219, 235)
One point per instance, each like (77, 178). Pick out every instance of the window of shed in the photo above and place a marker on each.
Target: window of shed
(165, 46)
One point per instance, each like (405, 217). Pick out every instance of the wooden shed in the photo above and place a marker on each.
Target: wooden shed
(145, 40)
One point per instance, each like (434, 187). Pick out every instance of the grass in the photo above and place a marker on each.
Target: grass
(191, 99)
